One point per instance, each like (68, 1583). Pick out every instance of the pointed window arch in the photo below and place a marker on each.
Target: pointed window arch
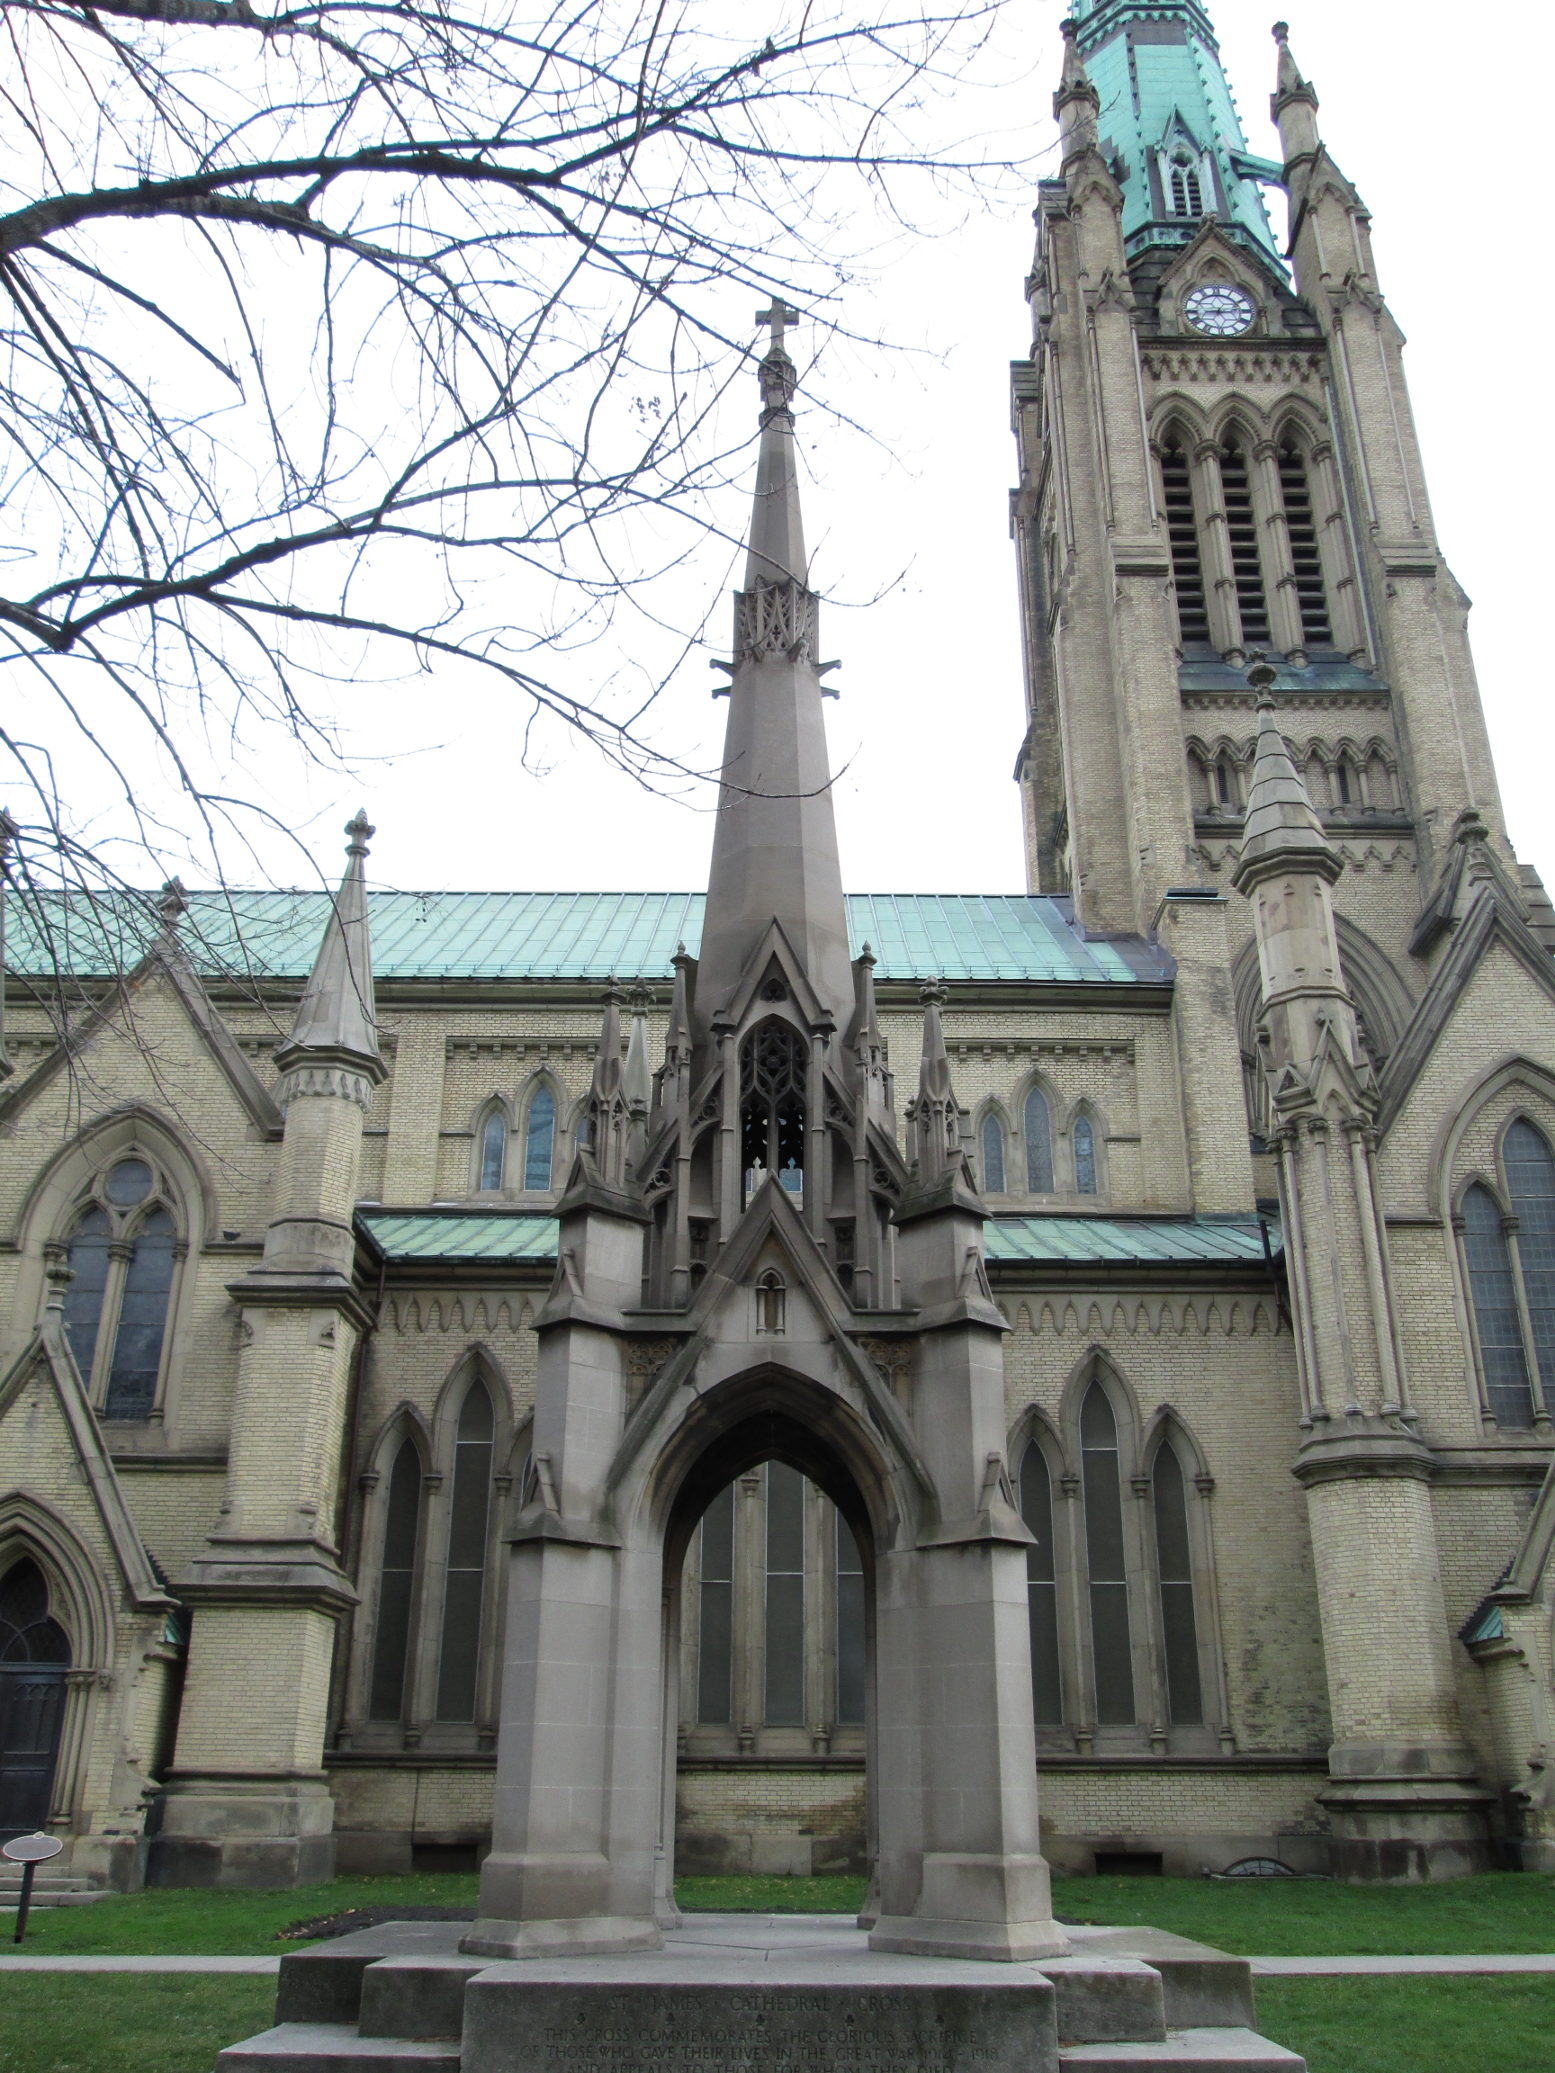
(1036, 1508)
(1496, 1322)
(494, 1150)
(396, 1579)
(539, 1138)
(1084, 1156)
(1174, 1556)
(124, 1252)
(1530, 1177)
(465, 1588)
(993, 1154)
(1112, 1647)
(1039, 1144)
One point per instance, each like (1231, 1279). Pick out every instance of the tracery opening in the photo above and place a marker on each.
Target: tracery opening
(1242, 537)
(773, 1067)
(1183, 533)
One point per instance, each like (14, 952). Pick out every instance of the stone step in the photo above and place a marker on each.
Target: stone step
(1101, 2001)
(1185, 2051)
(415, 1997)
(335, 2048)
(324, 1984)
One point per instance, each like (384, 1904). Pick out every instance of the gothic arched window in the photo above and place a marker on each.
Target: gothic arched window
(464, 1590)
(123, 1253)
(993, 1155)
(1084, 1156)
(1039, 1144)
(1110, 1640)
(1496, 1321)
(1036, 1508)
(494, 1150)
(774, 1064)
(785, 1653)
(394, 1586)
(1530, 1177)
(539, 1136)
(1179, 1628)
(1187, 194)
(850, 1628)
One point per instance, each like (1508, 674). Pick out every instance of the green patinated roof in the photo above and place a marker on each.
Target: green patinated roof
(472, 1237)
(1151, 61)
(1126, 1241)
(462, 936)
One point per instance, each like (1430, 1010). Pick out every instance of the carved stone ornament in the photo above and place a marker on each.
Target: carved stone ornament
(338, 1080)
(773, 619)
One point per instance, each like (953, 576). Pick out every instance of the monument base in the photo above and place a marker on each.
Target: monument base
(755, 1994)
(590, 1936)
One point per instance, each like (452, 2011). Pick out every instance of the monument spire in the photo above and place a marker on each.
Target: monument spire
(775, 841)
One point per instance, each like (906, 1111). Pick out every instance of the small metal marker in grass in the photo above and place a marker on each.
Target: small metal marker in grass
(29, 1851)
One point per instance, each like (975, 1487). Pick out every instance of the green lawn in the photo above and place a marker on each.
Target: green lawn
(1412, 2025)
(177, 2025)
(1272, 1918)
(144, 2024)
(1509, 1911)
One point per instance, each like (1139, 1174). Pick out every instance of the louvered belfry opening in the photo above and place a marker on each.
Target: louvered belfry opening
(1187, 568)
(1304, 554)
(1242, 534)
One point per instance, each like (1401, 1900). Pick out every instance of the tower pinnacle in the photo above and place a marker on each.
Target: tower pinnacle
(775, 840)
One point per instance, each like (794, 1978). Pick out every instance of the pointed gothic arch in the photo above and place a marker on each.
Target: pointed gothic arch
(538, 1156)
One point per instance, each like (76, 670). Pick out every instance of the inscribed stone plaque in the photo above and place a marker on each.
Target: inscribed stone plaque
(514, 2024)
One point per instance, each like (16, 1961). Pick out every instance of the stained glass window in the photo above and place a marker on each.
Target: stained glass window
(1039, 1145)
(465, 1587)
(494, 1145)
(394, 1588)
(993, 1156)
(137, 1343)
(1104, 1552)
(1178, 1626)
(84, 1295)
(1084, 1156)
(1530, 1175)
(1495, 1310)
(1036, 1508)
(537, 1141)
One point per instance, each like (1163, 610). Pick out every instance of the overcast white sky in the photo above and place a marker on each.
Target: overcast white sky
(1446, 142)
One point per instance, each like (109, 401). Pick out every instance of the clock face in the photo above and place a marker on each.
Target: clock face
(1219, 310)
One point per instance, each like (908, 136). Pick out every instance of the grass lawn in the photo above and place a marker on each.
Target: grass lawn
(1411, 2025)
(177, 2025)
(124, 2025)
(1276, 1918)
(1504, 1911)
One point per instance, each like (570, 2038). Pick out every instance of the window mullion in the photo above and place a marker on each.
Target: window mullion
(1220, 600)
(120, 1254)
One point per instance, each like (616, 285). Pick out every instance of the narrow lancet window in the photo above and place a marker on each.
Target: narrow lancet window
(394, 1586)
(1495, 1311)
(785, 1596)
(1036, 1508)
(1110, 1642)
(1178, 1626)
(494, 1145)
(1242, 537)
(773, 1066)
(84, 1296)
(1182, 531)
(1084, 1156)
(1039, 1145)
(464, 1591)
(1530, 1174)
(538, 1139)
(1305, 558)
(993, 1156)
(850, 1628)
(715, 1604)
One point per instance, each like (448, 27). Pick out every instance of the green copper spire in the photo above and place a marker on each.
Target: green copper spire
(1168, 116)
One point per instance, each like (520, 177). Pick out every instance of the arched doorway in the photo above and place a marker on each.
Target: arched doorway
(786, 1551)
(34, 1656)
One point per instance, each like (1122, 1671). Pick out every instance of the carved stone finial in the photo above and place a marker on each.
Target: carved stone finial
(172, 901)
(59, 1274)
(361, 832)
(1262, 678)
(9, 834)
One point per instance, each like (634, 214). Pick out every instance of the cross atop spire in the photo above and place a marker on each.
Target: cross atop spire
(777, 316)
